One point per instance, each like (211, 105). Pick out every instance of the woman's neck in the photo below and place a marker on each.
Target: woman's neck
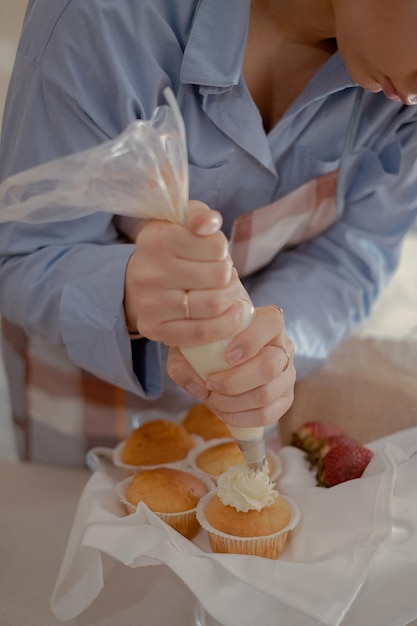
(284, 50)
(309, 22)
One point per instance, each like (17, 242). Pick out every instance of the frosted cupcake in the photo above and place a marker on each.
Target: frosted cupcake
(246, 515)
(170, 493)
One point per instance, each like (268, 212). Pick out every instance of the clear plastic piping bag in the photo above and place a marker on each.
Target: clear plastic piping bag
(142, 173)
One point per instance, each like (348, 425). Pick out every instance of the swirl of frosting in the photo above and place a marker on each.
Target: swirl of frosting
(245, 489)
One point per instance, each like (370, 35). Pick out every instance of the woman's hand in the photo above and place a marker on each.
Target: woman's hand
(180, 286)
(259, 387)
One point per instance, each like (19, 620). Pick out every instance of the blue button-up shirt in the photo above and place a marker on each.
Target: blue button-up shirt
(85, 70)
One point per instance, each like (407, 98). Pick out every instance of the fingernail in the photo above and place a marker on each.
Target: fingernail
(234, 356)
(211, 224)
(196, 391)
(412, 99)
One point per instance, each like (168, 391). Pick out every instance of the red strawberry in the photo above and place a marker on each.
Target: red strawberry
(310, 435)
(342, 463)
(330, 442)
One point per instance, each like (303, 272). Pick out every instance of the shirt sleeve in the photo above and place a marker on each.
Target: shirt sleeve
(328, 286)
(64, 281)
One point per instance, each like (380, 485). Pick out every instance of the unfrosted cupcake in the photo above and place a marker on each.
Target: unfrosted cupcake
(216, 458)
(171, 494)
(201, 421)
(154, 443)
(218, 455)
(246, 515)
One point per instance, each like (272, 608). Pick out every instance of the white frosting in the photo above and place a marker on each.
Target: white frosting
(209, 357)
(247, 433)
(246, 489)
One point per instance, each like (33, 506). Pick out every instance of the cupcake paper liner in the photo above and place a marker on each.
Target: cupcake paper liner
(185, 522)
(134, 469)
(268, 546)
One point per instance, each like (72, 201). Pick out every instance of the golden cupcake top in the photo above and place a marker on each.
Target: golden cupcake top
(155, 442)
(166, 490)
(217, 458)
(201, 421)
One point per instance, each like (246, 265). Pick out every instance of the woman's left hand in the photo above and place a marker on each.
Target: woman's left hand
(259, 387)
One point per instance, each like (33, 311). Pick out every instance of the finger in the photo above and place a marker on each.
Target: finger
(209, 303)
(181, 372)
(167, 241)
(198, 275)
(179, 275)
(268, 366)
(255, 397)
(173, 273)
(201, 220)
(189, 332)
(267, 324)
(201, 304)
(265, 416)
(187, 246)
(286, 354)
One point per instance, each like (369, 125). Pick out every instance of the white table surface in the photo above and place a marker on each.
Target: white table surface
(37, 505)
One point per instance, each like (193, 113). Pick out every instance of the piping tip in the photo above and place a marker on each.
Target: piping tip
(254, 452)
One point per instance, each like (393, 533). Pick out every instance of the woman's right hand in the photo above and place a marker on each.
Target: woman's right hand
(174, 263)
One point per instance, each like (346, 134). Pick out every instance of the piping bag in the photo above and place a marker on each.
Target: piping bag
(141, 174)
(209, 358)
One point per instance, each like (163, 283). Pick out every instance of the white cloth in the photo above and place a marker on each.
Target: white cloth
(353, 555)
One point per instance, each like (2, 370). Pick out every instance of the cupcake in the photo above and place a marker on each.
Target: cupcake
(154, 443)
(246, 515)
(201, 421)
(217, 456)
(170, 493)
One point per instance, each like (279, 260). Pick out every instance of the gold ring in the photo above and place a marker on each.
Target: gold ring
(186, 305)
(286, 354)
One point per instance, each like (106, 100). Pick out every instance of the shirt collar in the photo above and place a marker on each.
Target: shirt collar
(214, 52)
(331, 77)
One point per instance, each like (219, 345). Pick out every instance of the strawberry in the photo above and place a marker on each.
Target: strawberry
(342, 463)
(310, 435)
(330, 442)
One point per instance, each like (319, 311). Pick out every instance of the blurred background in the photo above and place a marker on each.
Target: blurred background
(380, 360)
(11, 16)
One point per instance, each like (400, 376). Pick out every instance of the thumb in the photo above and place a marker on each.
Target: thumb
(201, 220)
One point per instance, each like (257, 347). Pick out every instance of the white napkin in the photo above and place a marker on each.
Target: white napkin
(354, 548)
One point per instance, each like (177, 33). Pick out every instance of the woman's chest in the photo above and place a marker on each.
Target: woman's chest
(277, 73)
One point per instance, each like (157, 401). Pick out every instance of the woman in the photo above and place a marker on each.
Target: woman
(300, 141)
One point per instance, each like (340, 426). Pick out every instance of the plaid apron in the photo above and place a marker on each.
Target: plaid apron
(60, 411)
